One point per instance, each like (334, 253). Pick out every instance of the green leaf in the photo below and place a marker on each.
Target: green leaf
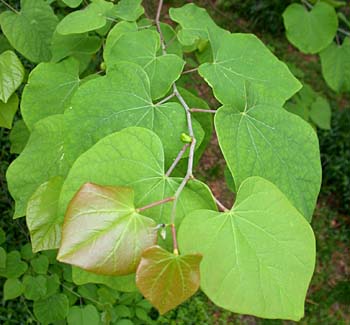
(320, 113)
(51, 309)
(14, 266)
(40, 264)
(8, 111)
(166, 279)
(49, 90)
(113, 234)
(42, 215)
(27, 252)
(336, 66)
(258, 258)
(83, 315)
(73, 45)
(53, 284)
(42, 158)
(125, 283)
(73, 3)
(195, 23)
(258, 139)
(129, 10)
(11, 75)
(2, 258)
(30, 31)
(18, 137)
(2, 236)
(34, 287)
(173, 46)
(13, 288)
(230, 182)
(310, 31)
(93, 17)
(235, 64)
(141, 47)
(134, 157)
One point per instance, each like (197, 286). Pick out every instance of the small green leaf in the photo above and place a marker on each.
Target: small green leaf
(310, 31)
(166, 279)
(49, 90)
(336, 66)
(73, 3)
(185, 138)
(2, 236)
(8, 111)
(34, 287)
(11, 75)
(258, 258)
(30, 31)
(320, 113)
(42, 215)
(113, 234)
(19, 137)
(93, 17)
(53, 284)
(51, 309)
(83, 315)
(13, 288)
(40, 264)
(129, 10)
(2, 258)
(14, 267)
(27, 252)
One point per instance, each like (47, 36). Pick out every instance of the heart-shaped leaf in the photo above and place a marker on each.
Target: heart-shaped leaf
(11, 74)
(166, 279)
(129, 10)
(103, 233)
(258, 258)
(310, 31)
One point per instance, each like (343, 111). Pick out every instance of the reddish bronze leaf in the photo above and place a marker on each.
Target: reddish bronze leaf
(166, 279)
(102, 232)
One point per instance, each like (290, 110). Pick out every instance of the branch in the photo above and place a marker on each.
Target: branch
(153, 204)
(200, 110)
(10, 7)
(160, 5)
(177, 159)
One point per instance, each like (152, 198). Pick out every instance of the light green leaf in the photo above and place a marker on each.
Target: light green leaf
(235, 64)
(2, 258)
(18, 137)
(42, 158)
(129, 10)
(73, 3)
(83, 315)
(93, 17)
(103, 232)
(14, 266)
(13, 288)
(8, 111)
(11, 75)
(320, 113)
(30, 31)
(139, 158)
(42, 215)
(335, 64)
(51, 309)
(310, 31)
(125, 283)
(40, 264)
(49, 90)
(230, 182)
(166, 279)
(34, 287)
(172, 44)
(141, 47)
(258, 258)
(258, 139)
(73, 44)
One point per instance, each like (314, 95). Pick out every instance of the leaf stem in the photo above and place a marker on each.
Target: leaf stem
(189, 70)
(177, 159)
(153, 204)
(200, 110)
(307, 4)
(341, 30)
(160, 5)
(165, 99)
(10, 7)
(220, 205)
(173, 234)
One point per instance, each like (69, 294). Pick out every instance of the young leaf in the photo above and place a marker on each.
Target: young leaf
(129, 10)
(51, 309)
(258, 258)
(141, 47)
(83, 315)
(103, 233)
(8, 111)
(166, 279)
(320, 113)
(258, 139)
(336, 66)
(93, 17)
(13, 288)
(310, 31)
(30, 31)
(42, 215)
(11, 75)
(49, 90)
(18, 137)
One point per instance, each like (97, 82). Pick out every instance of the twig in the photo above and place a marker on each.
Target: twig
(177, 159)
(10, 7)
(165, 99)
(189, 70)
(307, 4)
(220, 205)
(201, 110)
(153, 204)
(341, 30)
(160, 5)
(173, 234)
